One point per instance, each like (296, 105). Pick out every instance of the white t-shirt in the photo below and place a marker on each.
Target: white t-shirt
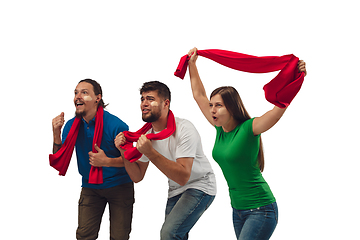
(186, 142)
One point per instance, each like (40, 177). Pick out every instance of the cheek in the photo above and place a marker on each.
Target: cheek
(154, 104)
(87, 98)
(222, 111)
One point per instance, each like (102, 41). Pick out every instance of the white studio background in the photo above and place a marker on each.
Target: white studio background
(46, 47)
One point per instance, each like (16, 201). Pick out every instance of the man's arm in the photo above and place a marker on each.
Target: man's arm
(57, 124)
(178, 171)
(100, 159)
(136, 170)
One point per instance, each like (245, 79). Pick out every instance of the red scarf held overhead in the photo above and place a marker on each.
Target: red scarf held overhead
(61, 159)
(280, 91)
(131, 153)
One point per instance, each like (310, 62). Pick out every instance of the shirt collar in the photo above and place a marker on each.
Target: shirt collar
(92, 121)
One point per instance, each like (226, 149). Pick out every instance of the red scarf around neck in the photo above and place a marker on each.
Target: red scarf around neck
(280, 91)
(131, 153)
(61, 159)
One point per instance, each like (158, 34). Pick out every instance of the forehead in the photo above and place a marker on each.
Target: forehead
(150, 94)
(84, 85)
(216, 98)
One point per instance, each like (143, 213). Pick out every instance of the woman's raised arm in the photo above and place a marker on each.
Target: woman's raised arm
(197, 87)
(270, 118)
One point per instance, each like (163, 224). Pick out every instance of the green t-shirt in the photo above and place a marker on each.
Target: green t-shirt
(236, 153)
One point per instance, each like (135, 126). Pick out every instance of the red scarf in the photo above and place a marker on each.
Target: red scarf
(280, 91)
(61, 159)
(131, 153)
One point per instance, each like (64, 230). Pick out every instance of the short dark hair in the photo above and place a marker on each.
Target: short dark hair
(97, 90)
(162, 90)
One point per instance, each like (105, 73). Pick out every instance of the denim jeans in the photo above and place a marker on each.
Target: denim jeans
(182, 212)
(255, 224)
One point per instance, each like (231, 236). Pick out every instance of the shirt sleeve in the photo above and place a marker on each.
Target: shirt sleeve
(143, 158)
(120, 127)
(248, 124)
(187, 140)
(66, 130)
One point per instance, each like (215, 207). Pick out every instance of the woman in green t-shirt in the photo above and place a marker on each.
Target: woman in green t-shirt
(238, 151)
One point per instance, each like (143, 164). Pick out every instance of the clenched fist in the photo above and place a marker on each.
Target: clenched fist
(57, 124)
(119, 140)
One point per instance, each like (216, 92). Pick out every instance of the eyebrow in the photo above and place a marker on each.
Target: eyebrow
(79, 90)
(147, 97)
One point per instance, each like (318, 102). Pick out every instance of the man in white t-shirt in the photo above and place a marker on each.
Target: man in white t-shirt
(192, 185)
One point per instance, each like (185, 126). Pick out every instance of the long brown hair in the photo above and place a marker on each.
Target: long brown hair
(236, 108)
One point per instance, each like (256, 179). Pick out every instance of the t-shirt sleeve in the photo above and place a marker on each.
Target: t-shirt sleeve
(143, 158)
(187, 141)
(248, 126)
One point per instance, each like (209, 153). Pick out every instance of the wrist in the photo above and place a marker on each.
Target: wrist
(192, 63)
(57, 139)
(106, 162)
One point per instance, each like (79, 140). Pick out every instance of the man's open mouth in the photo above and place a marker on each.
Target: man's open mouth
(79, 104)
(145, 110)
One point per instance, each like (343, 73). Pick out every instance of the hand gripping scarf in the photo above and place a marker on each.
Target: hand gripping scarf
(131, 153)
(280, 91)
(61, 159)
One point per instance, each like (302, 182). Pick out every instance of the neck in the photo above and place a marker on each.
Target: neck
(90, 115)
(230, 125)
(161, 123)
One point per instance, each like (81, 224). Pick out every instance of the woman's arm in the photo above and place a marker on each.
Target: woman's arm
(197, 87)
(269, 119)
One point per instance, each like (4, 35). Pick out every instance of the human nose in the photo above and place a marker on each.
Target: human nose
(145, 103)
(77, 95)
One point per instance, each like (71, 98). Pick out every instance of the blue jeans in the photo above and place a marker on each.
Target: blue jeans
(182, 212)
(255, 224)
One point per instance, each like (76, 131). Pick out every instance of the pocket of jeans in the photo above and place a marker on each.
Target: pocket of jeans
(275, 209)
(81, 199)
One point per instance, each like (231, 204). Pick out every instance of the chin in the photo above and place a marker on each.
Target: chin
(79, 114)
(217, 124)
(150, 118)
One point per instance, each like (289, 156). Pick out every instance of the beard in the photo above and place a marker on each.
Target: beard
(80, 114)
(152, 117)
